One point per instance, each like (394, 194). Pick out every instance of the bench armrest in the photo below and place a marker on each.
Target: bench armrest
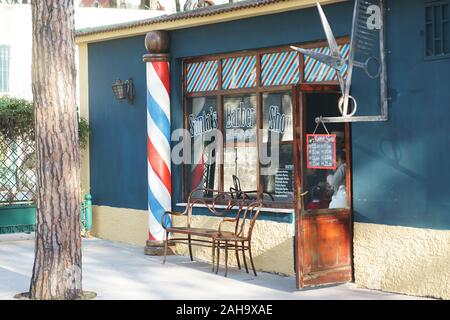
(172, 213)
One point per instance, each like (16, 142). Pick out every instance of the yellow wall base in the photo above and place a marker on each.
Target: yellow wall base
(412, 261)
(121, 225)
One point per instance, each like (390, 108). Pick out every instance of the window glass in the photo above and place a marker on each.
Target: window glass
(203, 126)
(277, 115)
(326, 188)
(437, 29)
(277, 143)
(240, 152)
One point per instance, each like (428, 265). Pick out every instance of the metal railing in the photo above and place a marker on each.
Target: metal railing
(17, 172)
(18, 188)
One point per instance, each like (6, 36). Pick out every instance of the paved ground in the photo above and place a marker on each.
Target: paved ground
(119, 271)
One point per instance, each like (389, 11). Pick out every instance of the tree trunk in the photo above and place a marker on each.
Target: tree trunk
(57, 264)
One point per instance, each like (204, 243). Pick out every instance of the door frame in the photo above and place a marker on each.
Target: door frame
(299, 113)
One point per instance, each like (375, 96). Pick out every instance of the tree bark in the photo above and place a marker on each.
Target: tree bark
(57, 265)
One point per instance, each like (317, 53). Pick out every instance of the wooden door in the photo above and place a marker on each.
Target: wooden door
(323, 234)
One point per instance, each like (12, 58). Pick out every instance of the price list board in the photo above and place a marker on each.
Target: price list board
(284, 182)
(321, 151)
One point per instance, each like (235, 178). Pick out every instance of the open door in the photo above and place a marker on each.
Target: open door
(323, 207)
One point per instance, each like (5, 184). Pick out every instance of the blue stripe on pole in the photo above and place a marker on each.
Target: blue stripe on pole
(158, 116)
(155, 207)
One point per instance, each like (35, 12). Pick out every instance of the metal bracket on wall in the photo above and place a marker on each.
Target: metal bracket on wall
(360, 38)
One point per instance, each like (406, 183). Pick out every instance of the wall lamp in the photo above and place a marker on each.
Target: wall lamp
(124, 90)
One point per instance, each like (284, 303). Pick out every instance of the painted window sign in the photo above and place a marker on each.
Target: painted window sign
(280, 68)
(315, 71)
(277, 120)
(205, 122)
(321, 151)
(240, 153)
(277, 123)
(239, 72)
(240, 116)
(201, 76)
(277, 115)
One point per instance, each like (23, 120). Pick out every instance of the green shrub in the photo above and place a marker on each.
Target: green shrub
(17, 121)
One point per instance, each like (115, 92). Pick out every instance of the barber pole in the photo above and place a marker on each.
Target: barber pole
(158, 137)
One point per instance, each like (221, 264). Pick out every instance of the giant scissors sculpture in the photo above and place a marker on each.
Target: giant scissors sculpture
(367, 28)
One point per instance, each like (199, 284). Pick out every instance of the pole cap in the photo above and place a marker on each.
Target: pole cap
(157, 42)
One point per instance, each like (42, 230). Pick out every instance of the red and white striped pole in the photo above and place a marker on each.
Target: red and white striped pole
(158, 137)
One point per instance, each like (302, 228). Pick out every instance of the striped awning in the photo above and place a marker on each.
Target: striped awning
(315, 71)
(239, 72)
(201, 76)
(280, 68)
(277, 69)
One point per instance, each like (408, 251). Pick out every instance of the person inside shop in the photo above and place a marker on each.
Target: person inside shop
(318, 201)
(336, 181)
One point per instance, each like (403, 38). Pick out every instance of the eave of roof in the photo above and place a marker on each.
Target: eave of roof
(186, 19)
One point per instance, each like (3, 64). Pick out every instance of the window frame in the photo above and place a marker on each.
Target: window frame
(258, 90)
(432, 5)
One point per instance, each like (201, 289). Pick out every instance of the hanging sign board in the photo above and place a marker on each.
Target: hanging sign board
(321, 151)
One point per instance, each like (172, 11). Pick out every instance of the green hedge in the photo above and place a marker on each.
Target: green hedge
(17, 121)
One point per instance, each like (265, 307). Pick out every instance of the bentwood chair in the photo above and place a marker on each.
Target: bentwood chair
(203, 236)
(241, 238)
(238, 193)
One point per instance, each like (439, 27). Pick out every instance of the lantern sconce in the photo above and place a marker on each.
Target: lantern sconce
(124, 90)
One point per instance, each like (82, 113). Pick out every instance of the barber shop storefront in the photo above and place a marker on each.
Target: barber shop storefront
(265, 103)
(241, 108)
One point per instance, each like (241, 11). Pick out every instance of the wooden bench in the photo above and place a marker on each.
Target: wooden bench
(219, 203)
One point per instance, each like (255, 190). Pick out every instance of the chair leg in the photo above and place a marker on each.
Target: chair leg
(236, 250)
(165, 247)
(251, 257)
(190, 247)
(213, 252)
(226, 258)
(243, 254)
(218, 256)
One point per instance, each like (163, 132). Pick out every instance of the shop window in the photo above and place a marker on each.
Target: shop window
(437, 29)
(315, 71)
(240, 150)
(240, 116)
(4, 68)
(277, 123)
(203, 124)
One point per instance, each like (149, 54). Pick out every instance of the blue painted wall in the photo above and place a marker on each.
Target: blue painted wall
(402, 167)
(400, 170)
(118, 143)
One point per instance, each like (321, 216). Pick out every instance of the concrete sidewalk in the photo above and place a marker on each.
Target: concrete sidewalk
(120, 271)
